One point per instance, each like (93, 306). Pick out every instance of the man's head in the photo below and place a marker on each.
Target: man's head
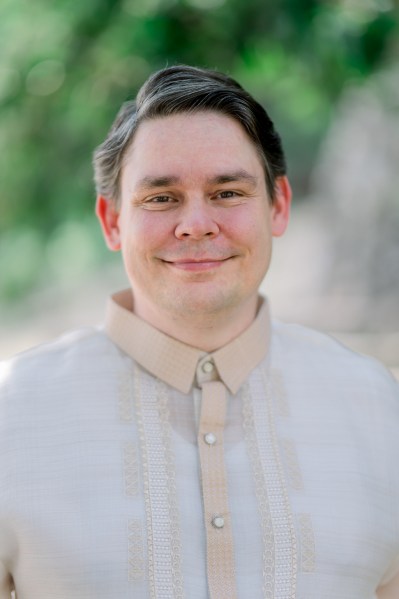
(192, 196)
(186, 89)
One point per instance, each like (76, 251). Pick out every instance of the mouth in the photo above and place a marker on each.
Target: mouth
(194, 265)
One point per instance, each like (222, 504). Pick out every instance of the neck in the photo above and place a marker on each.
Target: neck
(207, 331)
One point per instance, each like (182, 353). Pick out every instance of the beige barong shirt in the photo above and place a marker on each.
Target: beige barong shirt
(134, 466)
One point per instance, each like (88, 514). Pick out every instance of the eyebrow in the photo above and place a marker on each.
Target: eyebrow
(150, 182)
(236, 176)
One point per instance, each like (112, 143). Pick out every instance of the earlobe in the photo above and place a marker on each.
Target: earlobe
(281, 206)
(108, 216)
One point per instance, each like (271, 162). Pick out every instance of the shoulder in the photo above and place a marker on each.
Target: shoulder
(66, 380)
(343, 394)
(73, 355)
(318, 356)
(321, 348)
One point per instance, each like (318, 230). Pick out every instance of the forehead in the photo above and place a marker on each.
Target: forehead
(192, 143)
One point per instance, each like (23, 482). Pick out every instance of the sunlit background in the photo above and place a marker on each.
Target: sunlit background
(327, 71)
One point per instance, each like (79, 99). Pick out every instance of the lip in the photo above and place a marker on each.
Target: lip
(193, 265)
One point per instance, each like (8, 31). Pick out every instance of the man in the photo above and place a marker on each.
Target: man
(193, 448)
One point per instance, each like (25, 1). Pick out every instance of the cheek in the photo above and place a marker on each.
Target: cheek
(143, 234)
(253, 230)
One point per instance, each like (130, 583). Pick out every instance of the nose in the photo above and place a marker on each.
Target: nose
(196, 221)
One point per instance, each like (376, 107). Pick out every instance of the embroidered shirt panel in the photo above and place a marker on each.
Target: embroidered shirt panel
(187, 369)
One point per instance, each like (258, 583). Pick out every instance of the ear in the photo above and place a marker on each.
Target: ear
(280, 210)
(108, 215)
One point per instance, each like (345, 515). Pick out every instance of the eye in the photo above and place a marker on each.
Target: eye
(228, 198)
(160, 202)
(226, 194)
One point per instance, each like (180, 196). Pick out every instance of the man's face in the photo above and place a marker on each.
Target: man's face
(195, 221)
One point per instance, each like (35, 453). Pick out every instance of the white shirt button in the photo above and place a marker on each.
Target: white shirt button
(207, 367)
(210, 439)
(218, 521)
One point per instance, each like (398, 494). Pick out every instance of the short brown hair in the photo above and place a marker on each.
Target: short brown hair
(186, 89)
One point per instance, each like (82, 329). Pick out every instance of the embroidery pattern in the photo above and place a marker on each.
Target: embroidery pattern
(163, 532)
(125, 404)
(307, 543)
(175, 545)
(131, 469)
(292, 465)
(279, 539)
(146, 490)
(280, 397)
(294, 475)
(135, 551)
(261, 495)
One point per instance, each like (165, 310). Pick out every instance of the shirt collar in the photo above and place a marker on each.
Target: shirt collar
(175, 362)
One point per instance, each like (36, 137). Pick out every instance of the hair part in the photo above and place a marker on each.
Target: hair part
(185, 89)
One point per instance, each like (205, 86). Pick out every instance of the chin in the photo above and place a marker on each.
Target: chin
(197, 302)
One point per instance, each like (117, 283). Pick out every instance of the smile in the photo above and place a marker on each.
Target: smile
(196, 265)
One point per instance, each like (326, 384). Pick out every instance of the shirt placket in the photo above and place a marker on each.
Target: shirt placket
(219, 536)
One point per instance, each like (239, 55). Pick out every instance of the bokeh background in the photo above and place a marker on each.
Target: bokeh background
(327, 71)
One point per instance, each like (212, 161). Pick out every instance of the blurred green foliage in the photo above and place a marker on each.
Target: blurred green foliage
(65, 68)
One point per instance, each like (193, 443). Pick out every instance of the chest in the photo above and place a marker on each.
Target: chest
(116, 502)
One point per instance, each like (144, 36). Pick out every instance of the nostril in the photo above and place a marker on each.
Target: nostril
(196, 228)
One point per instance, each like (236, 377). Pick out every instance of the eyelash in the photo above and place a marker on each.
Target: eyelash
(165, 199)
(230, 193)
(160, 200)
